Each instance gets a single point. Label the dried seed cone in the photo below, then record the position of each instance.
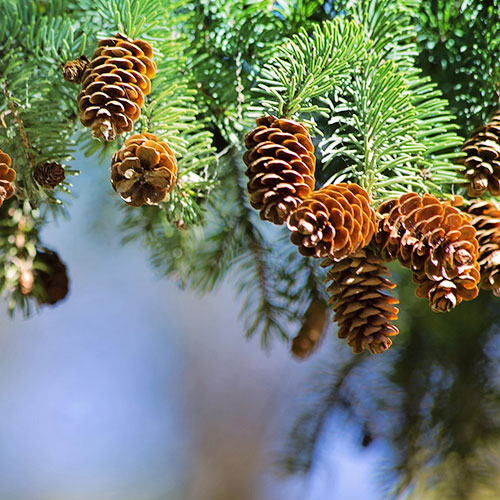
(363, 310)
(7, 178)
(482, 160)
(73, 70)
(334, 221)
(312, 330)
(437, 242)
(143, 171)
(54, 280)
(486, 220)
(49, 174)
(114, 85)
(280, 160)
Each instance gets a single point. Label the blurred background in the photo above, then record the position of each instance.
(134, 389)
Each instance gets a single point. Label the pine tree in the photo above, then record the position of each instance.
(359, 107)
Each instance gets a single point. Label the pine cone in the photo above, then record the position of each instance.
(49, 174)
(486, 220)
(114, 85)
(281, 163)
(54, 280)
(7, 177)
(311, 332)
(436, 241)
(143, 171)
(482, 160)
(73, 70)
(362, 310)
(334, 221)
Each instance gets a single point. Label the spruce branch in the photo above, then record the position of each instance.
(416, 140)
(308, 66)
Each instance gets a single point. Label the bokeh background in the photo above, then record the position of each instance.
(133, 389)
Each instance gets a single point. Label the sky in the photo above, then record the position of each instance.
(132, 389)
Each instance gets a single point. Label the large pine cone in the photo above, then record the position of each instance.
(362, 310)
(486, 220)
(437, 242)
(281, 163)
(312, 330)
(114, 85)
(143, 171)
(334, 221)
(54, 279)
(7, 177)
(482, 160)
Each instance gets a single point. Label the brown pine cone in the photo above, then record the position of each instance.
(334, 222)
(73, 70)
(54, 280)
(486, 220)
(7, 177)
(114, 85)
(362, 310)
(143, 171)
(437, 242)
(312, 330)
(482, 160)
(281, 162)
(49, 174)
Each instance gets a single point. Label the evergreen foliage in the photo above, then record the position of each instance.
(386, 86)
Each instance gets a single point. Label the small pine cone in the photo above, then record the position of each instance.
(334, 222)
(49, 174)
(486, 220)
(312, 330)
(73, 70)
(54, 280)
(114, 85)
(281, 162)
(437, 242)
(362, 310)
(143, 171)
(482, 160)
(7, 177)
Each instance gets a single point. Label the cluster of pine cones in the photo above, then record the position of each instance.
(114, 84)
(450, 252)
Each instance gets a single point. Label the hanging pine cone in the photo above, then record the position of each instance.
(486, 220)
(312, 330)
(114, 85)
(334, 221)
(49, 174)
(7, 177)
(281, 163)
(73, 70)
(362, 310)
(437, 242)
(54, 279)
(482, 160)
(143, 171)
